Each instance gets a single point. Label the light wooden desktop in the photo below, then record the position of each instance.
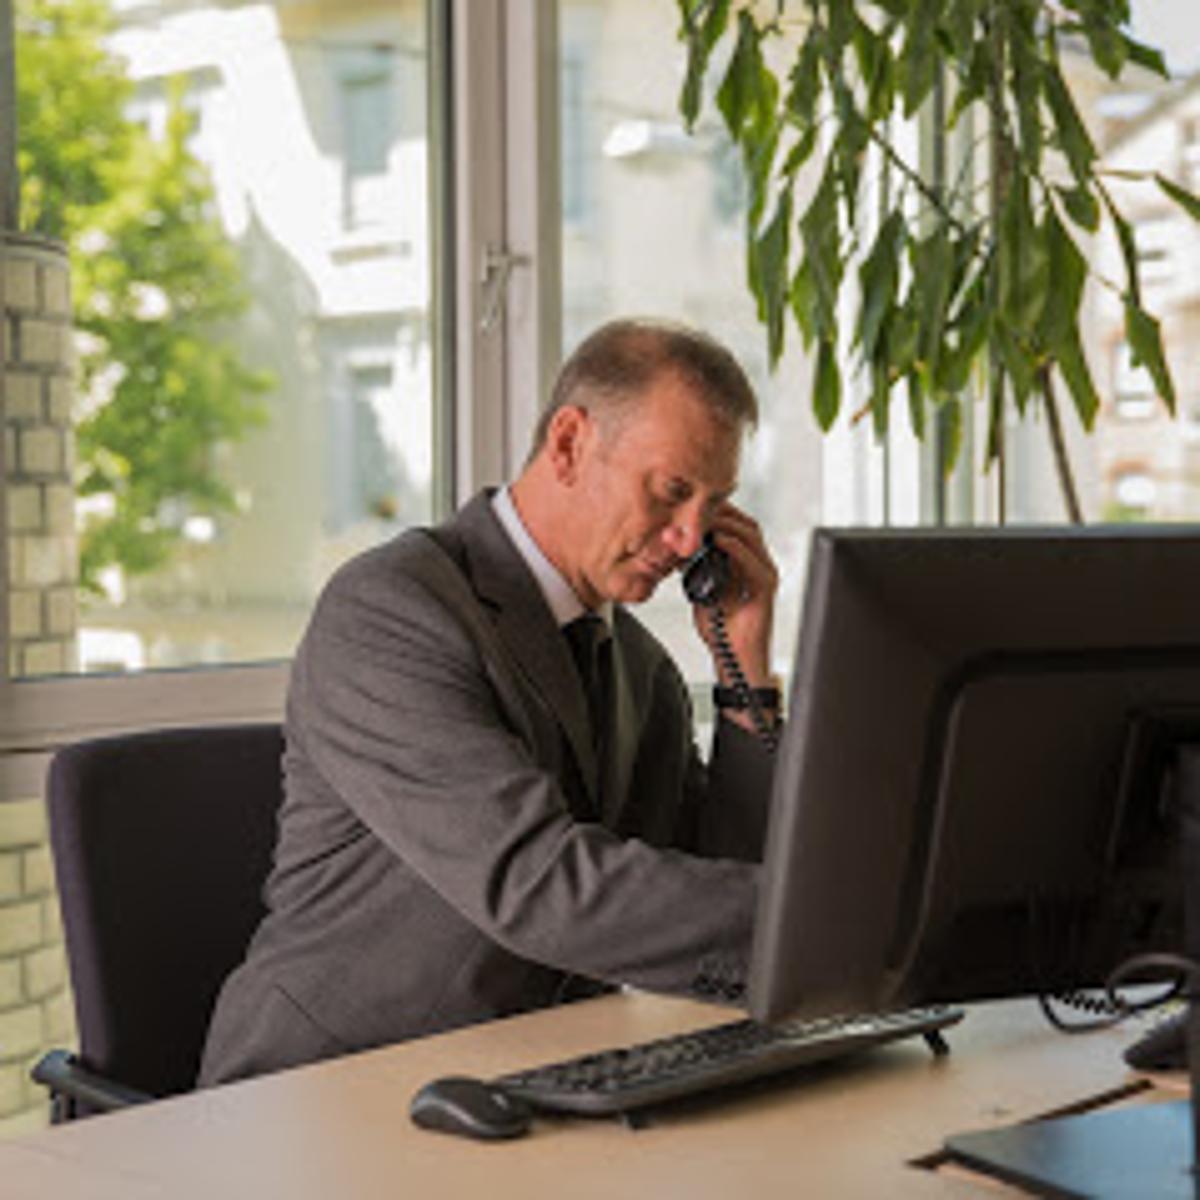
(341, 1129)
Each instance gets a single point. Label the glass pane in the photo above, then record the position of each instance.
(653, 225)
(1139, 463)
(225, 388)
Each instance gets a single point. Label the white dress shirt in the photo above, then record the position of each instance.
(558, 593)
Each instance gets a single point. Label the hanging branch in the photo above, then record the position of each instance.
(1058, 446)
(942, 301)
(999, 170)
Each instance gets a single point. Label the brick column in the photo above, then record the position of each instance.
(35, 1003)
(37, 385)
(39, 455)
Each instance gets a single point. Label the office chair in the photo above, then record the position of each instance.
(161, 842)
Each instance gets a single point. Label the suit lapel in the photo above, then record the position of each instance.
(527, 629)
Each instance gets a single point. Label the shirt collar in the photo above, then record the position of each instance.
(558, 593)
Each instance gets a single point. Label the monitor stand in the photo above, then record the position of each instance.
(1149, 1151)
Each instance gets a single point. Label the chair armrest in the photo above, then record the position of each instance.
(64, 1075)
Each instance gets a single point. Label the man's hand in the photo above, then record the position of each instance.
(749, 601)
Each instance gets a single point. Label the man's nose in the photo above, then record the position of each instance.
(685, 534)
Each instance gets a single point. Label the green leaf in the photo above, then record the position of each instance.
(875, 66)
(805, 79)
(918, 61)
(932, 264)
(1188, 201)
(880, 396)
(1110, 48)
(1073, 136)
(742, 89)
(758, 156)
(902, 341)
(949, 417)
(1075, 370)
(916, 405)
(840, 20)
(827, 387)
(1082, 207)
(848, 154)
(1128, 245)
(1022, 261)
(1026, 95)
(701, 36)
(803, 303)
(1146, 56)
(966, 249)
(1145, 341)
(969, 325)
(800, 153)
(960, 25)
(770, 255)
(1017, 363)
(1068, 271)
(997, 389)
(972, 85)
(878, 278)
(820, 233)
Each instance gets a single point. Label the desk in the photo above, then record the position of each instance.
(340, 1129)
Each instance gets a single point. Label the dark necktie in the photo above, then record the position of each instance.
(591, 647)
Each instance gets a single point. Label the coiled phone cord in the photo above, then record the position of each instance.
(768, 731)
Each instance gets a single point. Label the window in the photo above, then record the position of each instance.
(1142, 458)
(1155, 238)
(368, 114)
(663, 199)
(666, 204)
(1134, 493)
(227, 443)
(379, 457)
(573, 124)
(369, 468)
(1135, 398)
(729, 184)
(1190, 157)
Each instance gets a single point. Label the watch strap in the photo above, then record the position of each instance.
(735, 698)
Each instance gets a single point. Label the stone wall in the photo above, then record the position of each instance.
(35, 1003)
(37, 387)
(39, 456)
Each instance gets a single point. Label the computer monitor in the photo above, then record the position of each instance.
(972, 796)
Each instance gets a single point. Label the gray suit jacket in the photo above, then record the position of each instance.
(443, 857)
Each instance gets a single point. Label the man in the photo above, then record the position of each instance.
(460, 840)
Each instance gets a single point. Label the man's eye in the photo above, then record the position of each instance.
(678, 491)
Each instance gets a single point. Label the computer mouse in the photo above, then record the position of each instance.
(471, 1108)
(1163, 1048)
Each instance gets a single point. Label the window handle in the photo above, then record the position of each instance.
(494, 273)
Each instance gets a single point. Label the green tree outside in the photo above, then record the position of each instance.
(157, 287)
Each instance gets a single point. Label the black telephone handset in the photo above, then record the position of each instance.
(706, 573)
(706, 577)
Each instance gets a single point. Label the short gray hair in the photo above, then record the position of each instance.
(620, 360)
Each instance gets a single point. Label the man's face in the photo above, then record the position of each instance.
(648, 481)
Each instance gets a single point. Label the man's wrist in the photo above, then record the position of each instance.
(739, 699)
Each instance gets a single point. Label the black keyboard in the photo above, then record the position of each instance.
(629, 1077)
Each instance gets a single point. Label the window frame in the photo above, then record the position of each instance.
(493, 118)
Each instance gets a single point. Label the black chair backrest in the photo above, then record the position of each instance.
(162, 841)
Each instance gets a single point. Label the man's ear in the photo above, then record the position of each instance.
(567, 438)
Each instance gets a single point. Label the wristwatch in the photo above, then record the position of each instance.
(729, 697)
